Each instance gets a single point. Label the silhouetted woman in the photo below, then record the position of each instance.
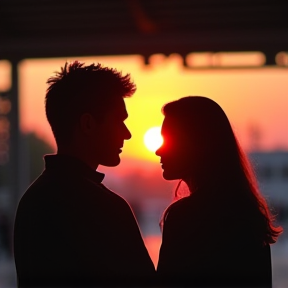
(219, 235)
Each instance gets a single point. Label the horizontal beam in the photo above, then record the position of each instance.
(146, 45)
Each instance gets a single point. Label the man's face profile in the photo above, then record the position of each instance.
(108, 134)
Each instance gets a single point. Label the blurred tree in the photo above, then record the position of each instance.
(34, 148)
(37, 148)
(3, 175)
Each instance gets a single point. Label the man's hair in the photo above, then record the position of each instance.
(78, 89)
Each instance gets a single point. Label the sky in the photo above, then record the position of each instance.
(253, 99)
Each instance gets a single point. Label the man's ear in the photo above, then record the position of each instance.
(87, 123)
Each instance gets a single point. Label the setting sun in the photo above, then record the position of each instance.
(153, 139)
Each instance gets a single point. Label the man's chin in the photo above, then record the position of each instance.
(111, 162)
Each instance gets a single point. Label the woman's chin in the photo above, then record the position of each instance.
(167, 175)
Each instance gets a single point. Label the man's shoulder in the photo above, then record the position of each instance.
(38, 184)
(56, 183)
(55, 189)
(116, 198)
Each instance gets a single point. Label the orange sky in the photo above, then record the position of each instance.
(254, 97)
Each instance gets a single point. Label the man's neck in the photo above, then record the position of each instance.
(79, 155)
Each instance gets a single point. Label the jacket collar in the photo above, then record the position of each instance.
(67, 164)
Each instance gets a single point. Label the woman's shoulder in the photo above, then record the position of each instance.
(180, 204)
(180, 209)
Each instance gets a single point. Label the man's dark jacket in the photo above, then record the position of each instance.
(70, 230)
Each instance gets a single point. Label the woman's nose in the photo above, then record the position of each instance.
(158, 151)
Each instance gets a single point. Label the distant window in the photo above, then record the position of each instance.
(280, 211)
(265, 172)
(284, 171)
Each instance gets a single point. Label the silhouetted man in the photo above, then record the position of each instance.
(70, 230)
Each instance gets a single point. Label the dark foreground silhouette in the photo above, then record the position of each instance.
(70, 230)
(220, 234)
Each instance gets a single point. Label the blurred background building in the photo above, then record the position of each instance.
(206, 35)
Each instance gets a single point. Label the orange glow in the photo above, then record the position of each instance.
(5, 75)
(153, 139)
(250, 97)
(153, 244)
(282, 59)
(227, 59)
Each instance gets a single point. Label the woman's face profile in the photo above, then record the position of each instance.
(174, 152)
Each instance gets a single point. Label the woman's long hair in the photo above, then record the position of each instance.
(219, 161)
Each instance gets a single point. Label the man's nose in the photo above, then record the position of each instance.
(127, 133)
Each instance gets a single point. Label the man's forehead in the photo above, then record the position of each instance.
(120, 109)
